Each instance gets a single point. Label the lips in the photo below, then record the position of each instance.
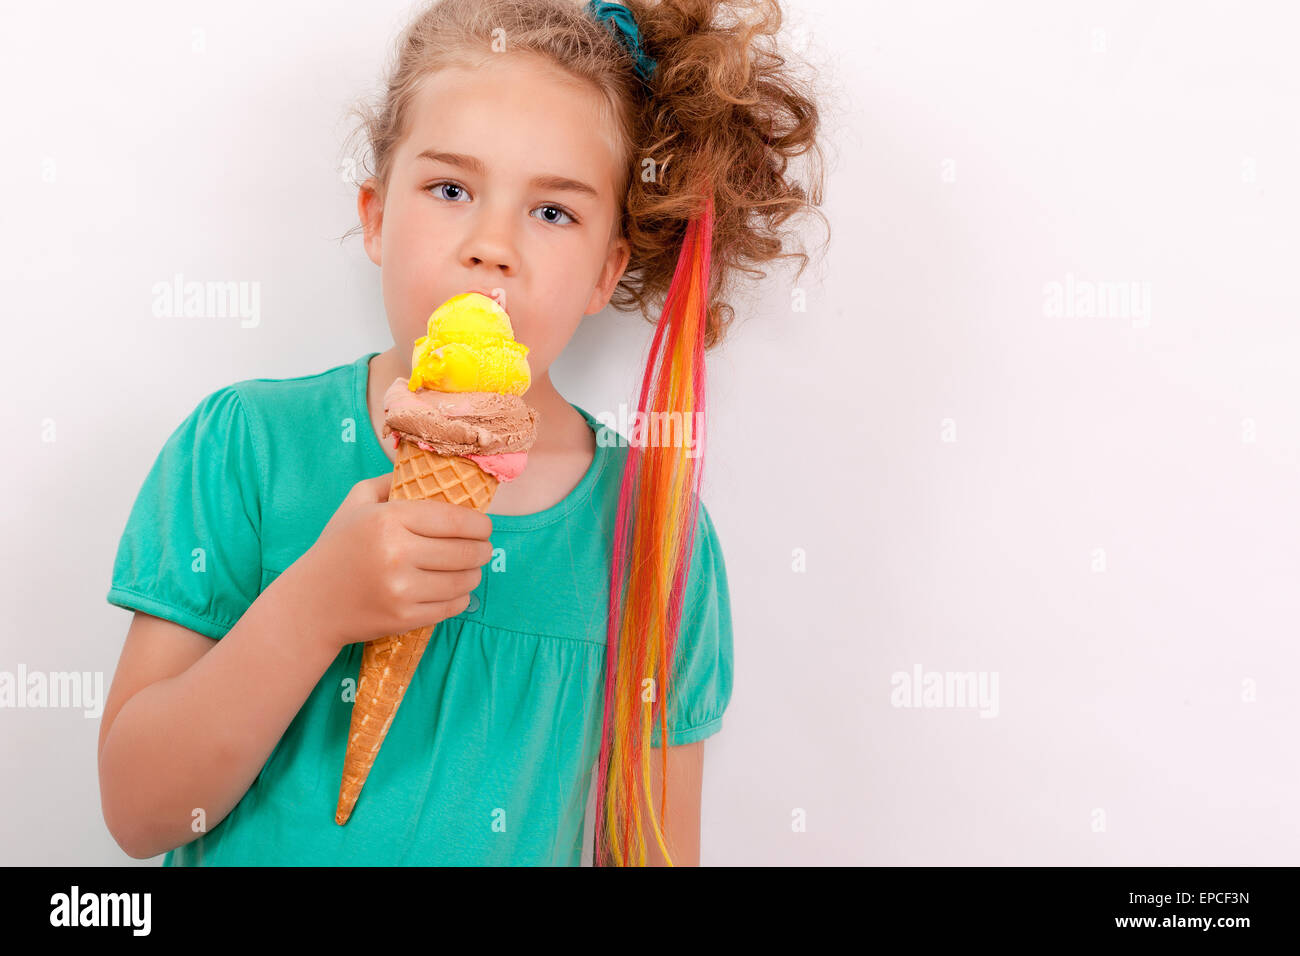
(489, 293)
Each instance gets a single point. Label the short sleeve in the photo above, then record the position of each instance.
(191, 550)
(704, 656)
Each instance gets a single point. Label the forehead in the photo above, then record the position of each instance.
(520, 115)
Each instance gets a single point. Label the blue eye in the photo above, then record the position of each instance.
(450, 184)
(562, 212)
(443, 185)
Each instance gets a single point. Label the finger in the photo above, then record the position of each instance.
(449, 607)
(450, 554)
(371, 489)
(442, 519)
(431, 587)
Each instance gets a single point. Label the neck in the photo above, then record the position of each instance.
(554, 413)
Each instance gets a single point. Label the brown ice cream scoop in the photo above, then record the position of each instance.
(460, 423)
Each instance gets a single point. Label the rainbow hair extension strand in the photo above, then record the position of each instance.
(654, 539)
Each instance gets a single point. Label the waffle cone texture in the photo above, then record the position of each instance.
(388, 664)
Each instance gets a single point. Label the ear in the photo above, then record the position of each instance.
(615, 265)
(370, 210)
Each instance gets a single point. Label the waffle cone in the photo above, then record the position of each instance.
(387, 664)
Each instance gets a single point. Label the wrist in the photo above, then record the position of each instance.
(302, 602)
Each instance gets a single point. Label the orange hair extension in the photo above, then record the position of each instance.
(654, 538)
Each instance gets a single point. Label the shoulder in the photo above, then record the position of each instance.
(267, 395)
(266, 407)
(233, 426)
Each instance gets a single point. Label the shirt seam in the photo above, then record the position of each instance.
(258, 463)
(360, 404)
(511, 630)
(298, 378)
(183, 612)
(708, 723)
(498, 627)
(577, 503)
(678, 731)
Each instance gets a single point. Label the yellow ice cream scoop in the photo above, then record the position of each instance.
(470, 347)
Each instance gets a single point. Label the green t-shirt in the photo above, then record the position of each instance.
(491, 755)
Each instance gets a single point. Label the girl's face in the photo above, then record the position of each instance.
(504, 181)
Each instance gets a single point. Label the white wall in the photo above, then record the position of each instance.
(1100, 509)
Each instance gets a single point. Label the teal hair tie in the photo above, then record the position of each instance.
(625, 31)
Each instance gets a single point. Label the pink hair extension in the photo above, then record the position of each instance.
(654, 538)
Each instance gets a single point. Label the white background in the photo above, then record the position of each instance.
(1102, 511)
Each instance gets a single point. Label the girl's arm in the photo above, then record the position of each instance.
(189, 722)
(682, 828)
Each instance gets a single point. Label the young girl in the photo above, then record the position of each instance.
(560, 156)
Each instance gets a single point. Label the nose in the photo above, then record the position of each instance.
(490, 242)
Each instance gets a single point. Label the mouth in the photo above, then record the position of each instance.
(495, 295)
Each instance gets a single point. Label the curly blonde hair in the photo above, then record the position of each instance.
(721, 105)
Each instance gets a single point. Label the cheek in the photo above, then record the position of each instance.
(413, 222)
(409, 235)
(546, 336)
(412, 246)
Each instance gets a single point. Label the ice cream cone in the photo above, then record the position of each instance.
(462, 429)
(388, 664)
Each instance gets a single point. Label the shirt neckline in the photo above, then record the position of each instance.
(528, 522)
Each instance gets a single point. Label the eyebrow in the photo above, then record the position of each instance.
(475, 165)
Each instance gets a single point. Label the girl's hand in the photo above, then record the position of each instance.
(385, 567)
